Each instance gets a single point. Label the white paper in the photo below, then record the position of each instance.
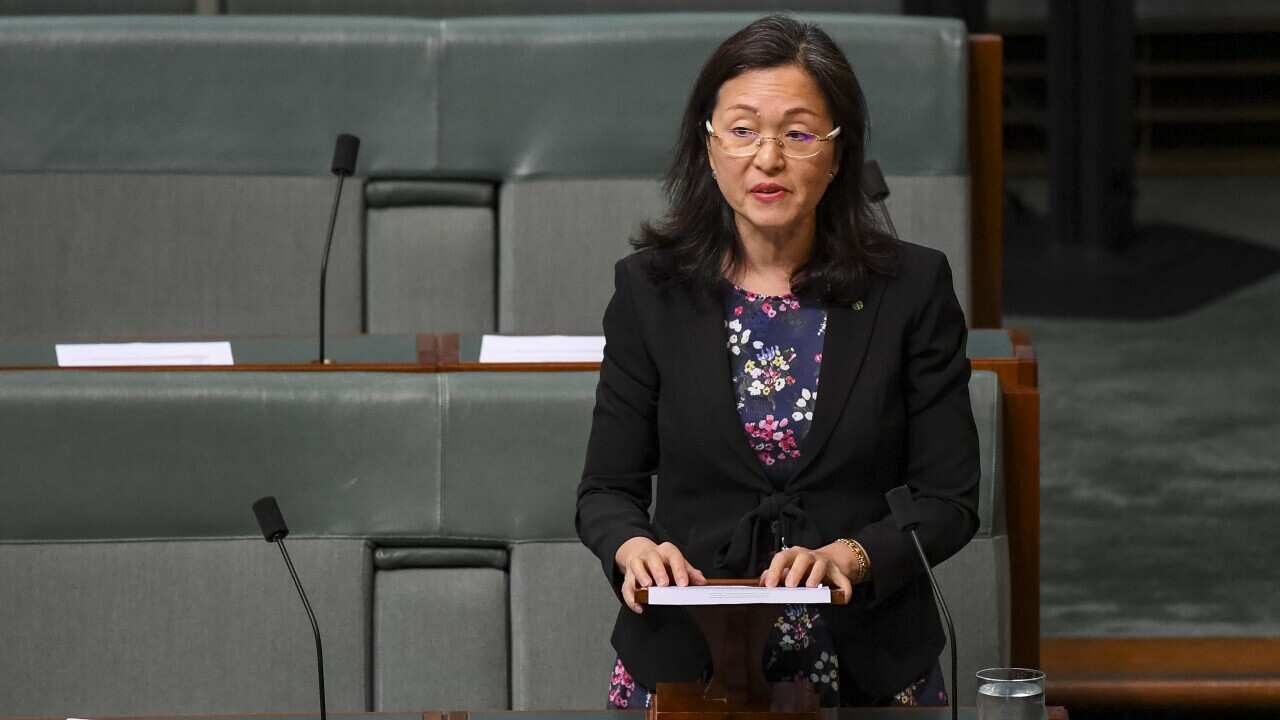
(737, 595)
(541, 348)
(137, 354)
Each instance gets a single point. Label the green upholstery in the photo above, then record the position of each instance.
(267, 95)
(441, 639)
(177, 626)
(430, 267)
(96, 7)
(242, 96)
(532, 295)
(518, 436)
(610, 77)
(453, 8)
(501, 153)
(428, 511)
(160, 455)
(122, 255)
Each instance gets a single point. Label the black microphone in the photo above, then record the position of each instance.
(345, 151)
(274, 529)
(877, 191)
(903, 508)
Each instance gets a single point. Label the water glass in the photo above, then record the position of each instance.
(1010, 694)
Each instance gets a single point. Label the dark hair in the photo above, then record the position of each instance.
(697, 239)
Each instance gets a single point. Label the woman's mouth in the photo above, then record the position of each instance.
(768, 192)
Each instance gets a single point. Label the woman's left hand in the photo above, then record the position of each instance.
(798, 566)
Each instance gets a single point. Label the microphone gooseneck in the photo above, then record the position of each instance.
(903, 508)
(345, 151)
(271, 522)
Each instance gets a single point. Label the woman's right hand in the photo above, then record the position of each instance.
(647, 563)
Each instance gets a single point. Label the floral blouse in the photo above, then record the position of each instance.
(775, 351)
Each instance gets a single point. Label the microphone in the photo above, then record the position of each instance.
(903, 508)
(345, 151)
(274, 529)
(877, 191)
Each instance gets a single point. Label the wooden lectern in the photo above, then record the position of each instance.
(737, 688)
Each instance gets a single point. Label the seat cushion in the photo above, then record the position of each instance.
(181, 627)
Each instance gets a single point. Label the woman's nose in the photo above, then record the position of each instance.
(769, 156)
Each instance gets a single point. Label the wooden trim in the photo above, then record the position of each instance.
(1179, 655)
(1185, 691)
(274, 367)
(986, 179)
(519, 367)
(1209, 672)
(1022, 516)
(1011, 371)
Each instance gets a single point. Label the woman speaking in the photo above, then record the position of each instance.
(779, 363)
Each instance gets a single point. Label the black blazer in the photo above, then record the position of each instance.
(893, 408)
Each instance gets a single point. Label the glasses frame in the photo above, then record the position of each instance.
(759, 143)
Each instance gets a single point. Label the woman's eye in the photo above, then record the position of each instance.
(742, 132)
(801, 137)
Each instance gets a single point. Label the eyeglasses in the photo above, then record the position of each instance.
(796, 144)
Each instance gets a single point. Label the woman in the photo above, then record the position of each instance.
(780, 363)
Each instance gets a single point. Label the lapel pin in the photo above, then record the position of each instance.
(857, 305)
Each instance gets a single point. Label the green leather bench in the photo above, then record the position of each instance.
(164, 176)
(432, 519)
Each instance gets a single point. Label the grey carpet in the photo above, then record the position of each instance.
(1160, 471)
(1160, 443)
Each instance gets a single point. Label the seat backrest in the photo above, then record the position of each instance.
(471, 8)
(166, 175)
(427, 511)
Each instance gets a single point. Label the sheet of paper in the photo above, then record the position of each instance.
(737, 595)
(541, 348)
(133, 354)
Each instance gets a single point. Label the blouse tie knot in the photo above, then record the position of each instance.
(778, 521)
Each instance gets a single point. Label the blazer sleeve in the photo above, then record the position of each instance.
(622, 452)
(941, 465)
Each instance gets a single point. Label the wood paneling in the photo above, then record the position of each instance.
(986, 178)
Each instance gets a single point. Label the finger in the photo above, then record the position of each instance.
(777, 566)
(799, 566)
(679, 566)
(629, 593)
(818, 572)
(696, 576)
(642, 578)
(839, 580)
(657, 568)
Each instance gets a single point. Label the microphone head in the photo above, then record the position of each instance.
(903, 508)
(270, 519)
(873, 184)
(345, 151)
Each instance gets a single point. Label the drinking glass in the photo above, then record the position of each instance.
(1010, 694)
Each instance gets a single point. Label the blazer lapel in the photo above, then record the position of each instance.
(848, 333)
(709, 373)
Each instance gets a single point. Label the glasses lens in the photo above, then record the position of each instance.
(738, 141)
(797, 144)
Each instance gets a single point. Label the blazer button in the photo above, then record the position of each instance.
(857, 305)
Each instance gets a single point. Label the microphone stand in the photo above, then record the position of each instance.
(902, 506)
(946, 618)
(324, 264)
(345, 151)
(315, 628)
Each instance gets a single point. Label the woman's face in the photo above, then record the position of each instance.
(770, 192)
